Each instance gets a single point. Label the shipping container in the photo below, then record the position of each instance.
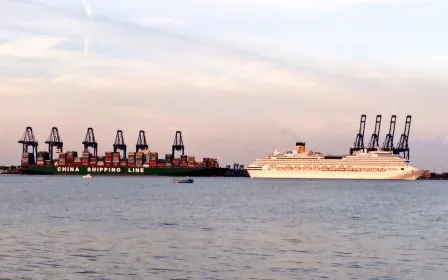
(43, 154)
(72, 153)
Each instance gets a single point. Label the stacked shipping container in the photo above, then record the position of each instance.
(70, 158)
(42, 157)
(85, 160)
(183, 161)
(168, 160)
(112, 159)
(153, 157)
(191, 161)
(139, 159)
(108, 159)
(61, 159)
(131, 159)
(27, 159)
(115, 159)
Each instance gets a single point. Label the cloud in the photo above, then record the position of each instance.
(218, 92)
(160, 22)
(31, 47)
(16, 87)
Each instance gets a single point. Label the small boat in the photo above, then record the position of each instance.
(183, 181)
(87, 176)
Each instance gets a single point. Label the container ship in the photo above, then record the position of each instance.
(117, 162)
(370, 162)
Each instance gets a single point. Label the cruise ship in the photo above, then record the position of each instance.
(310, 165)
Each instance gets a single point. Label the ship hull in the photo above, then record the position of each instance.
(132, 171)
(409, 173)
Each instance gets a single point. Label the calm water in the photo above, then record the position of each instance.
(234, 228)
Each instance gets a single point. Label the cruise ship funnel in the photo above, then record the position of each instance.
(300, 147)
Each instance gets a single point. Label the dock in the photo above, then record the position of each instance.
(238, 170)
(10, 170)
(434, 176)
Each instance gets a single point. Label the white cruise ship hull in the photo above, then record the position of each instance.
(409, 173)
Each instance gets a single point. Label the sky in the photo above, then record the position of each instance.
(238, 78)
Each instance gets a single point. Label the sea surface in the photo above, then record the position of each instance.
(65, 227)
